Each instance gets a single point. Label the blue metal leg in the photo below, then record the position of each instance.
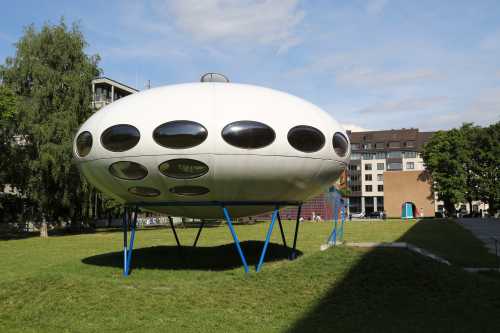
(235, 238)
(268, 238)
(132, 238)
(342, 224)
(125, 227)
(333, 235)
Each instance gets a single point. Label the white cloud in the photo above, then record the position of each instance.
(373, 78)
(375, 7)
(265, 22)
(405, 105)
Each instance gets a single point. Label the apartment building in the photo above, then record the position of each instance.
(377, 155)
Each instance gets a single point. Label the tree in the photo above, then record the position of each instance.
(445, 157)
(51, 75)
(8, 110)
(487, 166)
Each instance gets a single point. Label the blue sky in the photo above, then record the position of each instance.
(372, 64)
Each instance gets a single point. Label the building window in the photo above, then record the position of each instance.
(410, 165)
(380, 177)
(368, 177)
(189, 190)
(356, 188)
(380, 203)
(380, 166)
(367, 145)
(368, 166)
(248, 134)
(380, 188)
(368, 188)
(120, 138)
(143, 191)
(368, 156)
(394, 166)
(410, 154)
(380, 155)
(183, 168)
(355, 156)
(128, 170)
(84, 144)
(306, 138)
(379, 145)
(410, 144)
(180, 134)
(394, 154)
(354, 177)
(354, 167)
(394, 144)
(355, 146)
(340, 144)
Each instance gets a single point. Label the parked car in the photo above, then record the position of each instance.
(375, 215)
(358, 215)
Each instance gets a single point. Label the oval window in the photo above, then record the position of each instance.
(143, 191)
(189, 190)
(248, 134)
(340, 144)
(128, 170)
(306, 138)
(84, 143)
(120, 137)
(180, 134)
(183, 168)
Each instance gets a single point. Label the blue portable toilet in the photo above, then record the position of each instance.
(407, 210)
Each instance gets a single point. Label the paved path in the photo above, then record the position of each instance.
(485, 230)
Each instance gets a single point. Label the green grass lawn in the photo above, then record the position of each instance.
(75, 283)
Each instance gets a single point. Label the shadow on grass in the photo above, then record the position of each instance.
(215, 258)
(394, 290)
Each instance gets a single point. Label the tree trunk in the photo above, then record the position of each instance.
(44, 229)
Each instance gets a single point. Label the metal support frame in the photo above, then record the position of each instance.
(175, 232)
(199, 232)
(128, 248)
(281, 229)
(127, 218)
(293, 255)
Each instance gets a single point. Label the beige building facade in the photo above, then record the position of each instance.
(408, 186)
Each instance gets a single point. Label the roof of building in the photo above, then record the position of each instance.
(115, 83)
(402, 135)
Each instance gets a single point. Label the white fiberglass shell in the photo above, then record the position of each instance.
(276, 172)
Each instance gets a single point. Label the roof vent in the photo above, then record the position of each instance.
(214, 77)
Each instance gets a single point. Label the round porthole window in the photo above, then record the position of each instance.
(183, 168)
(128, 170)
(189, 190)
(143, 191)
(340, 144)
(179, 134)
(84, 143)
(306, 138)
(248, 134)
(120, 138)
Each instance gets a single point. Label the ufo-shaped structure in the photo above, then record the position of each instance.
(211, 142)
